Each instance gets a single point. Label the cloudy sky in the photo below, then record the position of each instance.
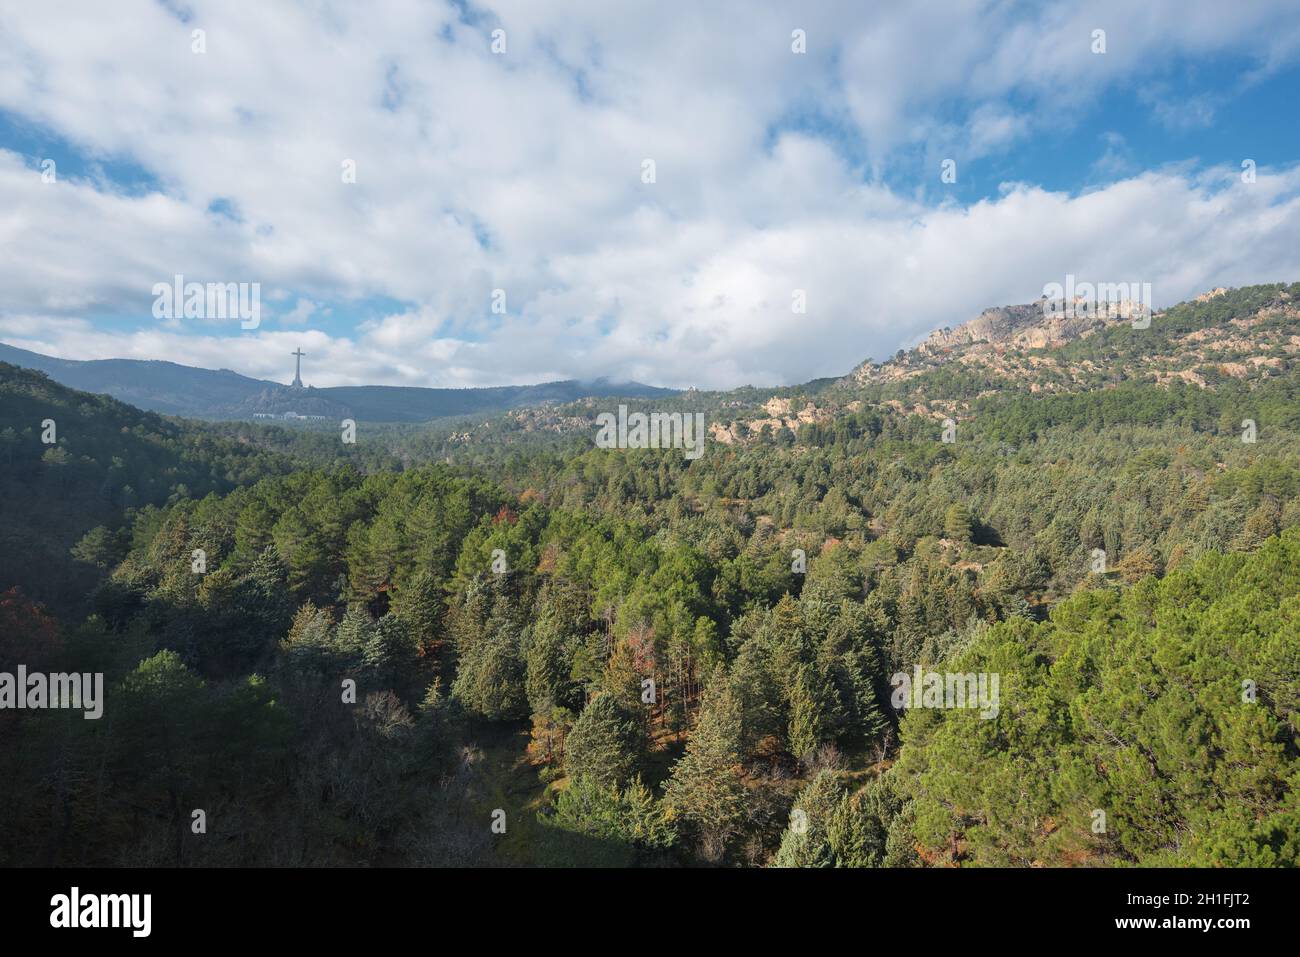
(523, 170)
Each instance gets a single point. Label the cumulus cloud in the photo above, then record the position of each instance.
(522, 172)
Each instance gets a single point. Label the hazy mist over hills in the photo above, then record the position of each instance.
(175, 389)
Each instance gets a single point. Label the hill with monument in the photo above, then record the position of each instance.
(174, 389)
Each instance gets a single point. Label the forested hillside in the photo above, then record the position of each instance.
(71, 461)
(564, 654)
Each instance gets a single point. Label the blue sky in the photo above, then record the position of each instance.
(510, 170)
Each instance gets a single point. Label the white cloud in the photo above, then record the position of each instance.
(522, 172)
(301, 312)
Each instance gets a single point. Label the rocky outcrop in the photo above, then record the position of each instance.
(997, 330)
(999, 324)
(1029, 326)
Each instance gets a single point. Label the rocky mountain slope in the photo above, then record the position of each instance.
(1242, 336)
(1224, 333)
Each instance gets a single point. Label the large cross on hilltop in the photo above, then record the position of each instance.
(297, 368)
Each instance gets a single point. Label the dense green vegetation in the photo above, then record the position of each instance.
(102, 461)
(642, 659)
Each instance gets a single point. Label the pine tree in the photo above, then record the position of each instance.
(310, 644)
(1260, 525)
(631, 815)
(809, 718)
(806, 842)
(390, 654)
(957, 522)
(605, 744)
(490, 674)
(550, 645)
(705, 789)
(419, 606)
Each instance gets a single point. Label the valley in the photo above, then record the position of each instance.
(1095, 569)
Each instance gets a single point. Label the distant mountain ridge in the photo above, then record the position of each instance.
(174, 389)
(1245, 334)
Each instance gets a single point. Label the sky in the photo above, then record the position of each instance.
(502, 225)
